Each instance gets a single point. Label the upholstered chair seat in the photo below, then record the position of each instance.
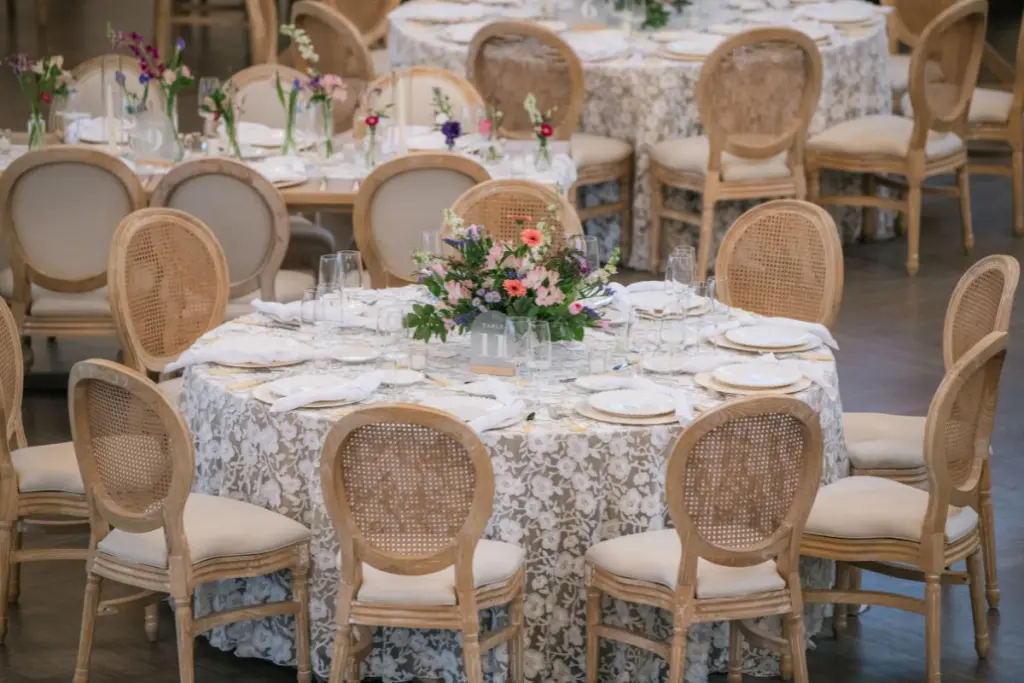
(690, 155)
(882, 134)
(52, 467)
(878, 441)
(592, 150)
(987, 106)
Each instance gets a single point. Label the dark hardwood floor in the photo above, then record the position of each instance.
(890, 333)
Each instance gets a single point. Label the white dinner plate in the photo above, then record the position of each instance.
(633, 403)
(728, 28)
(554, 26)
(812, 30)
(851, 12)
(664, 365)
(757, 375)
(357, 353)
(697, 44)
(297, 384)
(467, 408)
(768, 336)
(475, 389)
(598, 382)
(400, 378)
(661, 301)
(671, 36)
(265, 395)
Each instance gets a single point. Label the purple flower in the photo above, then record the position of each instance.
(180, 44)
(481, 291)
(590, 312)
(475, 301)
(119, 77)
(134, 36)
(492, 297)
(451, 130)
(297, 84)
(144, 79)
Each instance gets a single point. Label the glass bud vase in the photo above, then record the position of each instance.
(36, 131)
(543, 159)
(371, 148)
(325, 126)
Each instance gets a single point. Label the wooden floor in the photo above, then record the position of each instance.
(890, 333)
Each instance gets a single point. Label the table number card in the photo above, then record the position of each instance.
(488, 351)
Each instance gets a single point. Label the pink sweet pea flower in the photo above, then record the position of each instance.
(575, 308)
(449, 323)
(535, 278)
(484, 127)
(456, 292)
(494, 256)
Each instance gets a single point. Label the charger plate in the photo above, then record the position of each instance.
(584, 409)
(705, 380)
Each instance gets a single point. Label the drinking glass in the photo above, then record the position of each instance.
(5, 140)
(599, 361)
(417, 354)
(590, 247)
(624, 332)
(718, 285)
(330, 271)
(391, 329)
(307, 311)
(327, 309)
(350, 270)
(672, 334)
(678, 273)
(431, 243)
(540, 341)
(518, 345)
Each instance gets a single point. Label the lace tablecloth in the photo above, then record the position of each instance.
(561, 485)
(645, 99)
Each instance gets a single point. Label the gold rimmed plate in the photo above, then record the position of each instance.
(705, 380)
(586, 410)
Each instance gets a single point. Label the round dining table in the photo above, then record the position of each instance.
(563, 482)
(644, 98)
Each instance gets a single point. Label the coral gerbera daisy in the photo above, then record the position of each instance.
(531, 237)
(514, 287)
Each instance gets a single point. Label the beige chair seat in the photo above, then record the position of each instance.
(46, 303)
(899, 71)
(987, 106)
(494, 562)
(690, 155)
(288, 286)
(881, 134)
(171, 388)
(654, 556)
(873, 507)
(593, 150)
(876, 441)
(214, 527)
(53, 467)
(381, 61)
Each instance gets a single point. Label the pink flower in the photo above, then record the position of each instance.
(514, 288)
(494, 256)
(603, 324)
(335, 86)
(531, 237)
(575, 308)
(549, 296)
(535, 278)
(485, 127)
(438, 269)
(456, 292)
(185, 72)
(169, 77)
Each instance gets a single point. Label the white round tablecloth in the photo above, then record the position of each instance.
(561, 485)
(645, 99)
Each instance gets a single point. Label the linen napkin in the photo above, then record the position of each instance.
(817, 329)
(247, 348)
(281, 169)
(812, 371)
(291, 313)
(358, 389)
(693, 365)
(684, 410)
(510, 406)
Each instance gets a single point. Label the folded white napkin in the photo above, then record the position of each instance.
(247, 348)
(280, 169)
(358, 389)
(291, 313)
(817, 329)
(684, 410)
(510, 405)
(812, 371)
(645, 286)
(693, 365)
(95, 129)
(714, 329)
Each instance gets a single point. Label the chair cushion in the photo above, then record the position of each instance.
(288, 286)
(171, 388)
(591, 150)
(881, 134)
(47, 303)
(987, 106)
(877, 441)
(899, 71)
(48, 468)
(214, 527)
(654, 556)
(381, 61)
(690, 155)
(493, 562)
(873, 507)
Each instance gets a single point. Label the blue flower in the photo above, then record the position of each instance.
(608, 291)
(144, 79)
(180, 44)
(492, 297)
(452, 242)
(451, 130)
(297, 84)
(591, 312)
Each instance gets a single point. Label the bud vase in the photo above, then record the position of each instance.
(543, 160)
(370, 148)
(325, 125)
(36, 131)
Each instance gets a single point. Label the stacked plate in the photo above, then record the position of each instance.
(662, 304)
(765, 338)
(754, 378)
(468, 408)
(847, 15)
(695, 47)
(299, 384)
(629, 407)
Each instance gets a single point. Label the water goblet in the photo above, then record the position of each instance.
(518, 344)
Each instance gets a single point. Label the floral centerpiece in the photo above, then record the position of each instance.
(444, 119)
(40, 81)
(324, 90)
(542, 130)
(171, 76)
(489, 128)
(220, 103)
(530, 279)
(656, 12)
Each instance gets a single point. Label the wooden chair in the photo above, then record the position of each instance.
(58, 249)
(783, 258)
(369, 16)
(342, 52)
(932, 143)
(168, 281)
(136, 458)
(898, 530)
(494, 203)
(904, 26)
(419, 83)
(893, 446)
(739, 483)
(259, 16)
(36, 483)
(426, 477)
(401, 199)
(250, 221)
(256, 96)
(509, 59)
(756, 95)
(92, 75)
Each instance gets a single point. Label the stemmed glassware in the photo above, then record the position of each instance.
(679, 272)
(350, 270)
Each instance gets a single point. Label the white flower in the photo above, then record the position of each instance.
(441, 119)
(57, 61)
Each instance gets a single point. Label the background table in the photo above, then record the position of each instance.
(560, 487)
(646, 99)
